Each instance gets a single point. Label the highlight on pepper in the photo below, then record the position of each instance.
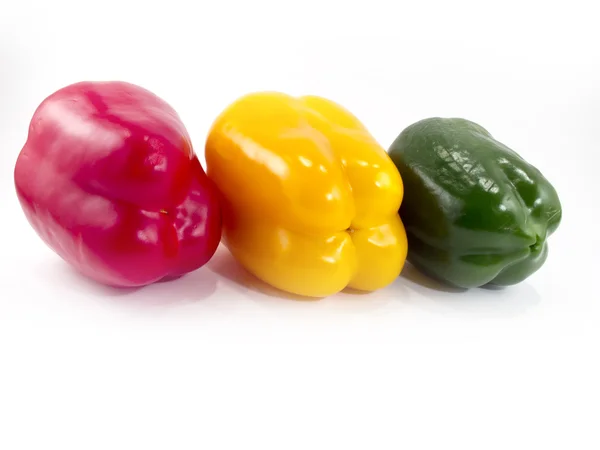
(309, 198)
(109, 180)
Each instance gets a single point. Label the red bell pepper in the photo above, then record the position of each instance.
(109, 180)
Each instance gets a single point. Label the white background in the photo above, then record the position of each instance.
(209, 362)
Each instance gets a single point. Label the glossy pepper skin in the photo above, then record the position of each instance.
(309, 198)
(109, 180)
(476, 213)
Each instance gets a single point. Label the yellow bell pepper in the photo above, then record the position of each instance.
(310, 198)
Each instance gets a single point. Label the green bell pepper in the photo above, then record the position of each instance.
(476, 213)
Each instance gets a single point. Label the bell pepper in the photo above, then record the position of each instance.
(476, 212)
(109, 180)
(309, 198)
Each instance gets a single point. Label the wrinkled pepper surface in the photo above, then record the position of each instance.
(310, 199)
(109, 180)
(476, 213)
